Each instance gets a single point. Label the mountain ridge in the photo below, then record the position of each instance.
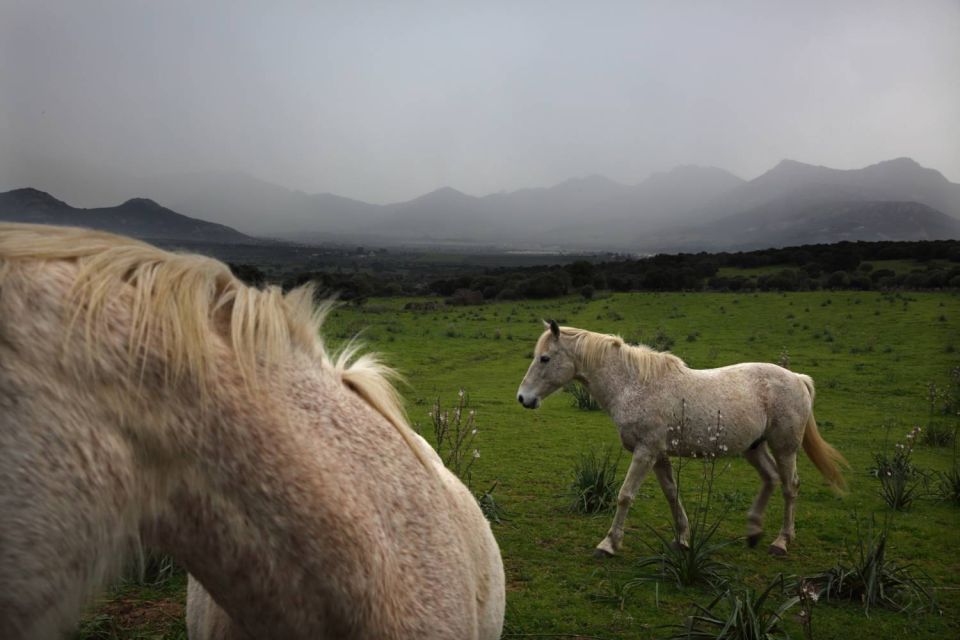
(668, 209)
(138, 217)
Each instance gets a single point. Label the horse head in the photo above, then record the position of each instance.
(553, 367)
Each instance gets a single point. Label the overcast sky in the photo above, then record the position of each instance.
(386, 101)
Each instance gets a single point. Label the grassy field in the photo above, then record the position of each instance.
(873, 357)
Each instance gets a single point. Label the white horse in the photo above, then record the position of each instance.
(663, 408)
(152, 398)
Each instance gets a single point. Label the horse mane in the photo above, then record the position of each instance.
(592, 348)
(179, 300)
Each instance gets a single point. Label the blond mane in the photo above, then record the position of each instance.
(592, 348)
(181, 303)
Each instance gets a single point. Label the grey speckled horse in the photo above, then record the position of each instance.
(759, 410)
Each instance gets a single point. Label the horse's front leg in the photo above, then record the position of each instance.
(640, 464)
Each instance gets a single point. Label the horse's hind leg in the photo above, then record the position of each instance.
(664, 471)
(639, 465)
(787, 468)
(763, 462)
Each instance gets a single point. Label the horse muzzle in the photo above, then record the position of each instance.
(528, 401)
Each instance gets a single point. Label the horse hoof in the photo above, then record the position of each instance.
(679, 546)
(753, 539)
(601, 553)
(776, 551)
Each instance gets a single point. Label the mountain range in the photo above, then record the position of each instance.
(688, 208)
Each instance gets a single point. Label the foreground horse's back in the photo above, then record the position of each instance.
(148, 398)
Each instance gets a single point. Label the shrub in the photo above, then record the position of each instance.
(465, 297)
(594, 485)
(662, 341)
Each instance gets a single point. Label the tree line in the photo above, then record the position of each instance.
(843, 265)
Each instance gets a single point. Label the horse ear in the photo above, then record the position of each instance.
(554, 328)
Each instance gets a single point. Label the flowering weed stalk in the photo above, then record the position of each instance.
(454, 434)
(900, 481)
(454, 431)
(695, 561)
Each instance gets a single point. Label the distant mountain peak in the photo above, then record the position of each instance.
(142, 203)
(788, 164)
(443, 194)
(28, 196)
(447, 191)
(902, 161)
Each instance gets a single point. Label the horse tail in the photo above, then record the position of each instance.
(823, 456)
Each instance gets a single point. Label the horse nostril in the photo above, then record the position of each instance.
(520, 398)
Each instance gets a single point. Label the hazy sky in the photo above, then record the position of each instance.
(386, 101)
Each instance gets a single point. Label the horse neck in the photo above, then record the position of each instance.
(249, 492)
(605, 379)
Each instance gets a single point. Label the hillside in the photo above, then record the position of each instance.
(137, 217)
(796, 220)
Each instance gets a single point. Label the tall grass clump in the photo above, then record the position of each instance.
(948, 485)
(153, 568)
(871, 578)
(581, 398)
(901, 482)
(594, 485)
(739, 614)
(948, 482)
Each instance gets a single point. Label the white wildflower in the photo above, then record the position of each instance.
(476, 453)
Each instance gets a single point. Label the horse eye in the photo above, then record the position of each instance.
(544, 359)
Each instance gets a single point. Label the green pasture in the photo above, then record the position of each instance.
(872, 355)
